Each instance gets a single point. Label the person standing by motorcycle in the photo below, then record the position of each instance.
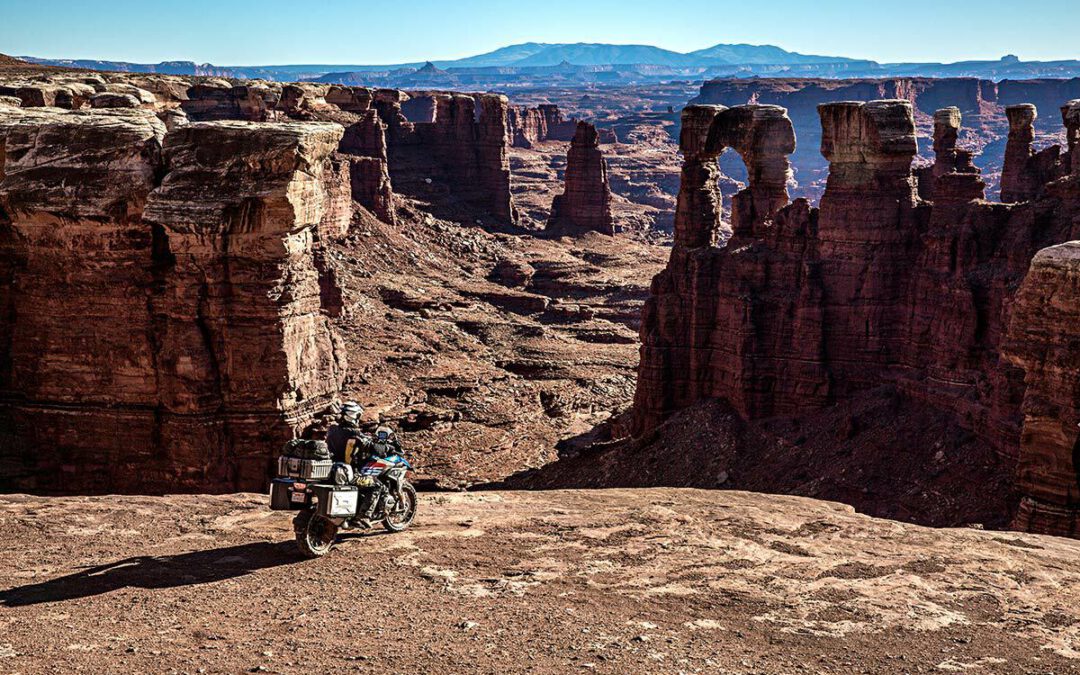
(386, 442)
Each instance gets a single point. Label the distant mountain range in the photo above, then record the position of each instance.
(531, 62)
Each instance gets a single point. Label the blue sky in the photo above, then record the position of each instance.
(248, 32)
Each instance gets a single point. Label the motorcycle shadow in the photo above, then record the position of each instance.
(156, 572)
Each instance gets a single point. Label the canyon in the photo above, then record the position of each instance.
(195, 269)
(793, 311)
(244, 311)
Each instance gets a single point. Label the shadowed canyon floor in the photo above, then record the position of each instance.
(657, 580)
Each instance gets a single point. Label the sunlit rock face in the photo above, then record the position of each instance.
(164, 323)
(792, 310)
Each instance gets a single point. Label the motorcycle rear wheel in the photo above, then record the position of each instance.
(404, 513)
(314, 534)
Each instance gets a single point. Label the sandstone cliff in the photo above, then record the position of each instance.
(164, 294)
(452, 145)
(545, 122)
(804, 310)
(1043, 341)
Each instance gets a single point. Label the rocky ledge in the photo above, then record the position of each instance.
(609, 581)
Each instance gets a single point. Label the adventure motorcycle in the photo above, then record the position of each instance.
(328, 498)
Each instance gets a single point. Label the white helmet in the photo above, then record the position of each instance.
(351, 412)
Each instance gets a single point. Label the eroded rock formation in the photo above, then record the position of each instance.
(1043, 339)
(448, 144)
(586, 201)
(981, 102)
(804, 309)
(462, 147)
(161, 333)
(1070, 114)
(949, 160)
(1026, 171)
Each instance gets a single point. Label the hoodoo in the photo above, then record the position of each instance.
(982, 102)
(805, 309)
(586, 201)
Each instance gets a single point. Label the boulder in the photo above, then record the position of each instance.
(113, 100)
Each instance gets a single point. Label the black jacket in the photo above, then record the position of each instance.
(338, 437)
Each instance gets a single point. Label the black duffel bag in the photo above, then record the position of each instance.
(305, 449)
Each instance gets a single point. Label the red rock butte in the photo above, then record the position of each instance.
(168, 299)
(793, 309)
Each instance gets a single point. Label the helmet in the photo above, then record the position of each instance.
(351, 412)
(384, 433)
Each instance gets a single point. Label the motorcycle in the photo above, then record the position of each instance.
(328, 498)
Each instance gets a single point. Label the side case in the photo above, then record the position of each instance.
(279, 496)
(340, 501)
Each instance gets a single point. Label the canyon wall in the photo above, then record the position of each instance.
(802, 309)
(455, 147)
(171, 262)
(1043, 341)
(545, 122)
(463, 147)
(163, 327)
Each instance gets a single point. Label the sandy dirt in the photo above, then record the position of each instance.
(615, 581)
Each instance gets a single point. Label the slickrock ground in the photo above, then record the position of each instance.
(657, 581)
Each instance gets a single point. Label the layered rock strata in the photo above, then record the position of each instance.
(1070, 115)
(1043, 339)
(545, 122)
(1026, 171)
(190, 342)
(982, 102)
(461, 149)
(449, 144)
(586, 200)
(948, 158)
(803, 309)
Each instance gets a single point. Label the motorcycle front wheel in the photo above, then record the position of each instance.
(314, 534)
(404, 511)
